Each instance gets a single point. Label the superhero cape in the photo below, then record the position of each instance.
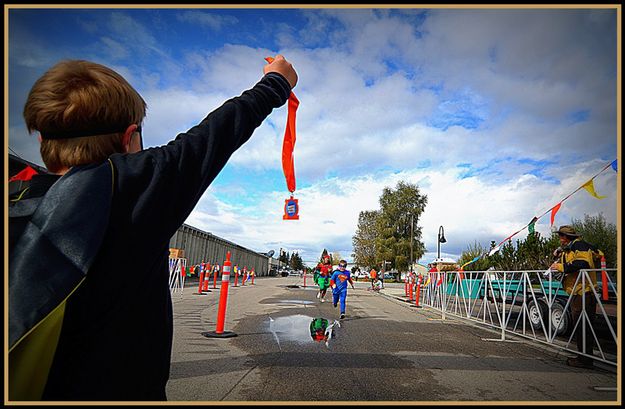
(47, 264)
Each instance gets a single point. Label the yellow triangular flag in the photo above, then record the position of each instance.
(589, 186)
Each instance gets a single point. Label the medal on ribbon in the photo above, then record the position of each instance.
(291, 206)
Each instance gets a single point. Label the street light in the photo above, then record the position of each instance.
(441, 239)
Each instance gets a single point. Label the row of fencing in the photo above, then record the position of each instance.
(529, 304)
(179, 271)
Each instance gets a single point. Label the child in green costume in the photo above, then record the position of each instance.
(322, 277)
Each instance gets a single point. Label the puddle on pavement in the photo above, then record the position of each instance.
(304, 302)
(303, 329)
(301, 287)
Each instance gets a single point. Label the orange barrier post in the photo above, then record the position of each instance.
(199, 288)
(236, 276)
(253, 274)
(418, 292)
(406, 286)
(304, 278)
(215, 277)
(604, 280)
(206, 278)
(223, 299)
(410, 289)
(244, 275)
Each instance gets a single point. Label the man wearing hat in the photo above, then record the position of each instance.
(575, 255)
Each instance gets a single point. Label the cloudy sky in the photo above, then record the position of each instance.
(496, 114)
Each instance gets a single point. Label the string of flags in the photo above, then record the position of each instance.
(531, 226)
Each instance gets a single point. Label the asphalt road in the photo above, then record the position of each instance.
(383, 351)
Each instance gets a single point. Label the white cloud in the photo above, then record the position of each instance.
(469, 209)
(173, 111)
(206, 19)
(372, 87)
(115, 50)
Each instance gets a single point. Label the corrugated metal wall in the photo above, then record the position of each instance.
(201, 246)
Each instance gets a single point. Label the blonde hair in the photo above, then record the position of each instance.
(77, 97)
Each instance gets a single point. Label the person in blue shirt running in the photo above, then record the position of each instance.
(338, 282)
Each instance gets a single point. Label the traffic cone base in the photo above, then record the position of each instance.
(214, 334)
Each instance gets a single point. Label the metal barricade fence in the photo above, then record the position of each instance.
(177, 270)
(530, 304)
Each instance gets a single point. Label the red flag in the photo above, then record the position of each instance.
(25, 174)
(554, 210)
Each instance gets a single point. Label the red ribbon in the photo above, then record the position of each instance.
(289, 140)
(289, 144)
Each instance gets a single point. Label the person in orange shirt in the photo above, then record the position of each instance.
(373, 275)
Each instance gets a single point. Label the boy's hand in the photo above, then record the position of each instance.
(283, 67)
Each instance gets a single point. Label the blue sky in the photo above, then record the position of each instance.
(497, 114)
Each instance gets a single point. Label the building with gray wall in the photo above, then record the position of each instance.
(200, 246)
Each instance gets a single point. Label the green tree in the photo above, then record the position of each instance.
(603, 235)
(531, 253)
(536, 252)
(505, 259)
(284, 257)
(364, 241)
(472, 251)
(287, 258)
(398, 225)
(336, 257)
(296, 261)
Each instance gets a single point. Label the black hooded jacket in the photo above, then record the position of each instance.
(116, 336)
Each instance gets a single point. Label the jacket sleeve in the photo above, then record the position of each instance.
(156, 189)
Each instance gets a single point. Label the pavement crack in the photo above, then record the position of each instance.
(238, 382)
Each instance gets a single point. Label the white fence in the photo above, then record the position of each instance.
(530, 304)
(177, 269)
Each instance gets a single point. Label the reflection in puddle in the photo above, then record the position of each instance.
(321, 330)
(303, 329)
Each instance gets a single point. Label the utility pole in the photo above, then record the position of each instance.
(411, 235)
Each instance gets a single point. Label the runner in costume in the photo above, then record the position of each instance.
(338, 282)
(322, 277)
